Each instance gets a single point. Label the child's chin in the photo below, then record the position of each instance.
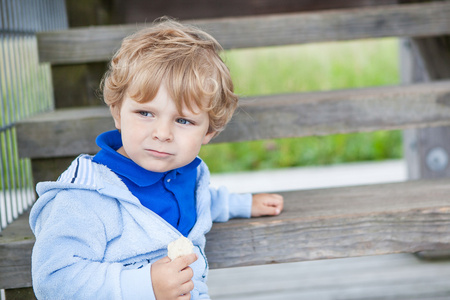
(156, 168)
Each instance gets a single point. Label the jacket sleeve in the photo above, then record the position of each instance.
(68, 256)
(226, 205)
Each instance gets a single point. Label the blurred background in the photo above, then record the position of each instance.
(259, 71)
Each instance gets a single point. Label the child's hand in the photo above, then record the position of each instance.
(267, 205)
(173, 279)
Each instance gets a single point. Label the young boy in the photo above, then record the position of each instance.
(103, 227)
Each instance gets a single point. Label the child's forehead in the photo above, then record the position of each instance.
(186, 87)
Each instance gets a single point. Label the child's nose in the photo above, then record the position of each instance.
(163, 133)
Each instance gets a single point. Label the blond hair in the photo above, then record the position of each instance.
(183, 58)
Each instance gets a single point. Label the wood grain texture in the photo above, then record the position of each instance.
(16, 243)
(69, 132)
(382, 277)
(339, 222)
(99, 43)
(316, 224)
(135, 11)
(64, 132)
(340, 111)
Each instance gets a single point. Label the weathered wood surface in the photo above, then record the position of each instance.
(16, 243)
(427, 150)
(316, 224)
(396, 276)
(64, 132)
(339, 222)
(340, 111)
(99, 43)
(136, 11)
(69, 132)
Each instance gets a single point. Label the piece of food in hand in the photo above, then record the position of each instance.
(180, 247)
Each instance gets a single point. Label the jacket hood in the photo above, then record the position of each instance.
(85, 174)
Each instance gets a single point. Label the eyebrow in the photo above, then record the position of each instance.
(185, 112)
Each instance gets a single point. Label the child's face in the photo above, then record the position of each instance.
(156, 136)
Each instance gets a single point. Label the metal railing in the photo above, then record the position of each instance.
(26, 89)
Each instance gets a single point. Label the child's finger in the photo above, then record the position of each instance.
(275, 199)
(187, 287)
(279, 202)
(184, 261)
(186, 274)
(267, 205)
(272, 210)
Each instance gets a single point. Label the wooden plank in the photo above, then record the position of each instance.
(342, 111)
(339, 222)
(135, 11)
(16, 243)
(73, 131)
(98, 43)
(316, 224)
(63, 132)
(427, 150)
(396, 276)
(20, 294)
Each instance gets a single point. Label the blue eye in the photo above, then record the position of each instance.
(145, 113)
(183, 121)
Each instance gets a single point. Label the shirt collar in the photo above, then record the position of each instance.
(111, 141)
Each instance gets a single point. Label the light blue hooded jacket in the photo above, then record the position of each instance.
(94, 239)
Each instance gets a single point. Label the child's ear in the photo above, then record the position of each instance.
(208, 137)
(115, 112)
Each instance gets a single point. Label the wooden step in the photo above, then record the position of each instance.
(339, 222)
(16, 243)
(69, 132)
(92, 44)
(316, 224)
(382, 277)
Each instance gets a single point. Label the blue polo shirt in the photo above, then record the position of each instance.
(171, 194)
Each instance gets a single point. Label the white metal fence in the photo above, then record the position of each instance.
(26, 89)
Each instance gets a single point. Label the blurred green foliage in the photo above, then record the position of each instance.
(301, 68)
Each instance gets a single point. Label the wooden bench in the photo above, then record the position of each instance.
(316, 224)
(412, 20)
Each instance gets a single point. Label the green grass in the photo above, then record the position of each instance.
(309, 68)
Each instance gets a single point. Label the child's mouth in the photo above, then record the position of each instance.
(158, 154)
